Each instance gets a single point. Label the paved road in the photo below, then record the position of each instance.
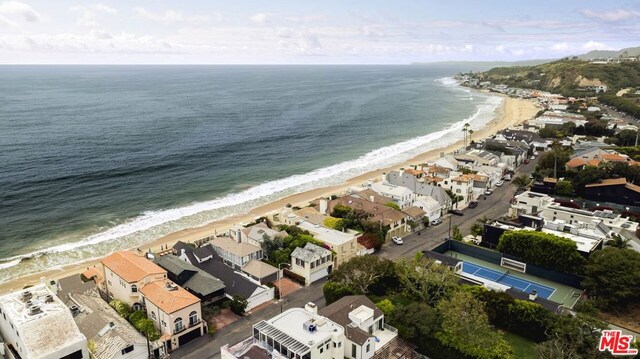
(494, 206)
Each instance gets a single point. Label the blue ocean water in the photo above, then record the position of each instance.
(96, 158)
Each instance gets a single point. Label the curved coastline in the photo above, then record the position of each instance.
(306, 187)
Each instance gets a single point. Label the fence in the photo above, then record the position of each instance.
(571, 280)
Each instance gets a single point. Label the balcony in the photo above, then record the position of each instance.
(193, 324)
(384, 336)
(179, 329)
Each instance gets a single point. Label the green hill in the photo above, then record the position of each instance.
(567, 76)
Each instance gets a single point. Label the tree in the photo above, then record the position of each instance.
(425, 280)
(465, 130)
(543, 249)
(618, 241)
(340, 211)
(137, 316)
(338, 224)
(521, 181)
(586, 176)
(392, 205)
(335, 290)
(575, 334)
(554, 160)
(612, 277)
(554, 349)
(123, 309)
(417, 323)
(386, 306)
(564, 188)
(465, 326)
(238, 305)
(360, 274)
(148, 328)
(476, 229)
(455, 233)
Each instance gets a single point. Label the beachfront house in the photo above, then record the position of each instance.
(234, 253)
(111, 335)
(423, 189)
(311, 262)
(399, 195)
(236, 282)
(35, 323)
(255, 234)
(462, 186)
(125, 273)
(203, 285)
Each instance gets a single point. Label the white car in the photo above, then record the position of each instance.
(397, 240)
(499, 183)
(436, 222)
(488, 192)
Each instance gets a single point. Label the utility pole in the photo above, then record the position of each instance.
(449, 236)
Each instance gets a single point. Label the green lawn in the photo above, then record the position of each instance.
(522, 347)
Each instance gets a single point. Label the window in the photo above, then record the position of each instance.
(321, 350)
(74, 355)
(193, 318)
(353, 350)
(134, 288)
(177, 324)
(368, 347)
(128, 349)
(153, 316)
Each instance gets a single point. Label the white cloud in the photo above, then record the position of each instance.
(173, 16)
(88, 14)
(593, 45)
(559, 47)
(611, 15)
(500, 48)
(15, 9)
(260, 18)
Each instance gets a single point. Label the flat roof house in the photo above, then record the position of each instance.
(344, 244)
(234, 253)
(112, 336)
(255, 234)
(36, 324)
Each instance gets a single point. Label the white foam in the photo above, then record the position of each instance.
(154, 224)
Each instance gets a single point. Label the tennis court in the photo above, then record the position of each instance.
(507, 279)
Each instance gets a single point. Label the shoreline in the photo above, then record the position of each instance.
(511, 112)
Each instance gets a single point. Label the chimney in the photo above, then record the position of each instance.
(238, 235)
(372, 198)
(311, 308)
(533, 295)
(383, 177)
(323, 206)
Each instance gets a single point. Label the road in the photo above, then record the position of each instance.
(494, 206)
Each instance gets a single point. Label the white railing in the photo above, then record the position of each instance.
(390, 328)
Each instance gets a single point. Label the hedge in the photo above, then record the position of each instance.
(543, 249)
(294, 276)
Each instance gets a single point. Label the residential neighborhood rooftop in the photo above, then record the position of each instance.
(130, 266)
(168, 296)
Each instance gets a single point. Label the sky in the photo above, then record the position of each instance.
(309, 32)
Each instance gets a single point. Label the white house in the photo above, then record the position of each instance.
(432, 208)
(400, 195)
(34, 323)
(311, 262)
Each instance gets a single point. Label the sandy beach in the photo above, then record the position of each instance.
(512, 112)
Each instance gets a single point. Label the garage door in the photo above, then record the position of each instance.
(187, 337)
(319, 274)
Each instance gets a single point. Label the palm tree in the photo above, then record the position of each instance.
(470, 133)
(465, 129)
(617, 241)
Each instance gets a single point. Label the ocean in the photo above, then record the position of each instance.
(99, 158)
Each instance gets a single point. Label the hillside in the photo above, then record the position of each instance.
(567, 76)
(604, 54)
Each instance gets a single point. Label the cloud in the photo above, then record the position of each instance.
(593, 45)
(88, 14)
(611, 15)
(559, 47)
(173, 16)
(493, 25)
(500, 48)
(260, 18)
(19, 9)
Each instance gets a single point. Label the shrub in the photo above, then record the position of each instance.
(123, 309)
(543, 249)
(211, 328)
(137, 316)
(238, 305)
(386, 306)
(148, 329)
(294, 276)
(334, 291)
(392, 205)
(335, 223)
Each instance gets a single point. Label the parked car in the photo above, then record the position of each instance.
(436, 222)
(457, 212)
(473, 204)
(397, 240)
(488, 192)
(499, 183)
(533, 157)
(526, 161)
